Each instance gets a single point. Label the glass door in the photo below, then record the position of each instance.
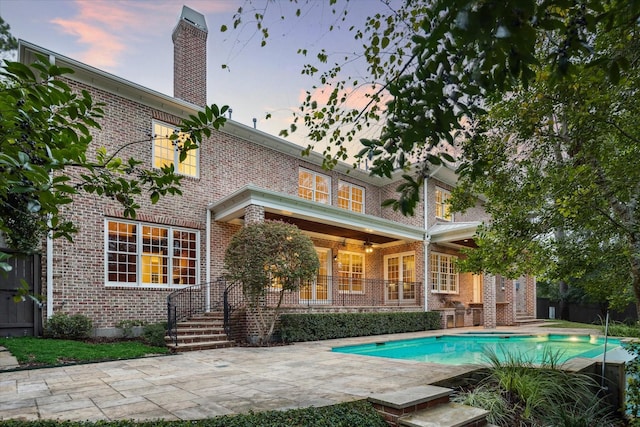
(319, 290)
(400, 276)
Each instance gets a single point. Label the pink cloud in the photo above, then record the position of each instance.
(355, 98)
(110, 29)
(103, 49)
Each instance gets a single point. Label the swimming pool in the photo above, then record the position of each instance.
(471, 348)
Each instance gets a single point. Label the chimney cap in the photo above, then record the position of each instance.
(194, 18)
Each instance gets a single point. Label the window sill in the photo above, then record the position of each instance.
(147, 287)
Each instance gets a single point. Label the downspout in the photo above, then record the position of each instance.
(49, 272)
(208, 261)
(427, 237)
(49, 246)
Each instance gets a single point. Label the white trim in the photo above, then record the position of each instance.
(452, 231)
(400, 256)
(111, 83)
(207, 257)
(442, 205)
(232, 207)
(314, 290)
(176, 152)
(350, 199)
(364, 273)
(457, 275)
(314, 190)
(139, 244)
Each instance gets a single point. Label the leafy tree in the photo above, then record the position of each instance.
(7, 41)
(265, 257)
(438, 61)
(443, 64)
(46, 157)
(557, 162)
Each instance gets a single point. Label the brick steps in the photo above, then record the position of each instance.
(201, 332)
(200, 345)
(427, 406)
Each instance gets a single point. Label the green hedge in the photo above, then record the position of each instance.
(352, 414)
(312, 327)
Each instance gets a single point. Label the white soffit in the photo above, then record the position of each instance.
(233, 206)
(453, 231)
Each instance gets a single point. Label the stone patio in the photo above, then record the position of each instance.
(208, 383)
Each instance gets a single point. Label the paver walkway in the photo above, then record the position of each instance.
(208, 383)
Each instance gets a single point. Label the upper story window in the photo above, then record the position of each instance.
(167, 152)
(314, 186)
(350, 197)
(139, 254)
(443, 207)
(444, 277)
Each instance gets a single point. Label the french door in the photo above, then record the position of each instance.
(319, 290)
(400, 276)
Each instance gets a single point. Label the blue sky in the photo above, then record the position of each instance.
(132, 39)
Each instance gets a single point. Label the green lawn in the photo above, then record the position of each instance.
(44, 351)
(556, 323)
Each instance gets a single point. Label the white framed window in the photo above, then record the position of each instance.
(167, 152)
(400, 275)
(350, 197)
(444, 277)
(351, 272)
(314, 186)
(139, 254)
(318, 291)
(443, 207)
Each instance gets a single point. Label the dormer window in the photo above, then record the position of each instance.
(443, 207)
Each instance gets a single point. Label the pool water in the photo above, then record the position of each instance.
(471, 349)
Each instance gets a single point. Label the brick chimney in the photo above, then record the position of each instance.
(190, 57)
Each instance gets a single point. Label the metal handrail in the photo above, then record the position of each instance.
(183, 304)
(335, 291)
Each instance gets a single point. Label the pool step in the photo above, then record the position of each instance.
(446, 415)
(426, 406)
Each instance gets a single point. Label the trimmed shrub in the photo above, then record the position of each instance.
(153, 333)
(64, 326)
(323, 326)
(127, 327)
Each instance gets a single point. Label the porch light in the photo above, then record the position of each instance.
(368, 247)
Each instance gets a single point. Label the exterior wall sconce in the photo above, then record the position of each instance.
(368, 247)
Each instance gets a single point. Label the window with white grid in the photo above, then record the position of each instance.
(350, 197)
(140, 254)
(444, 277)
(167, 151)
(443, 207)
(351, 272)
(314, 186)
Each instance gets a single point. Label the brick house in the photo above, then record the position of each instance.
(371, 258)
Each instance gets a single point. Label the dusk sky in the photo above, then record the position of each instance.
(132, 39)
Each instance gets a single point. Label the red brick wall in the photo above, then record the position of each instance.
(190, 63)
(227, 163)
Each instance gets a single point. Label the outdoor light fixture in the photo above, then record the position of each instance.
(368, 247)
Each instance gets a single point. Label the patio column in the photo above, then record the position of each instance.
(489, 300)
(253, 214)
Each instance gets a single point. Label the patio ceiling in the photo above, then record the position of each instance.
(313, 217)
